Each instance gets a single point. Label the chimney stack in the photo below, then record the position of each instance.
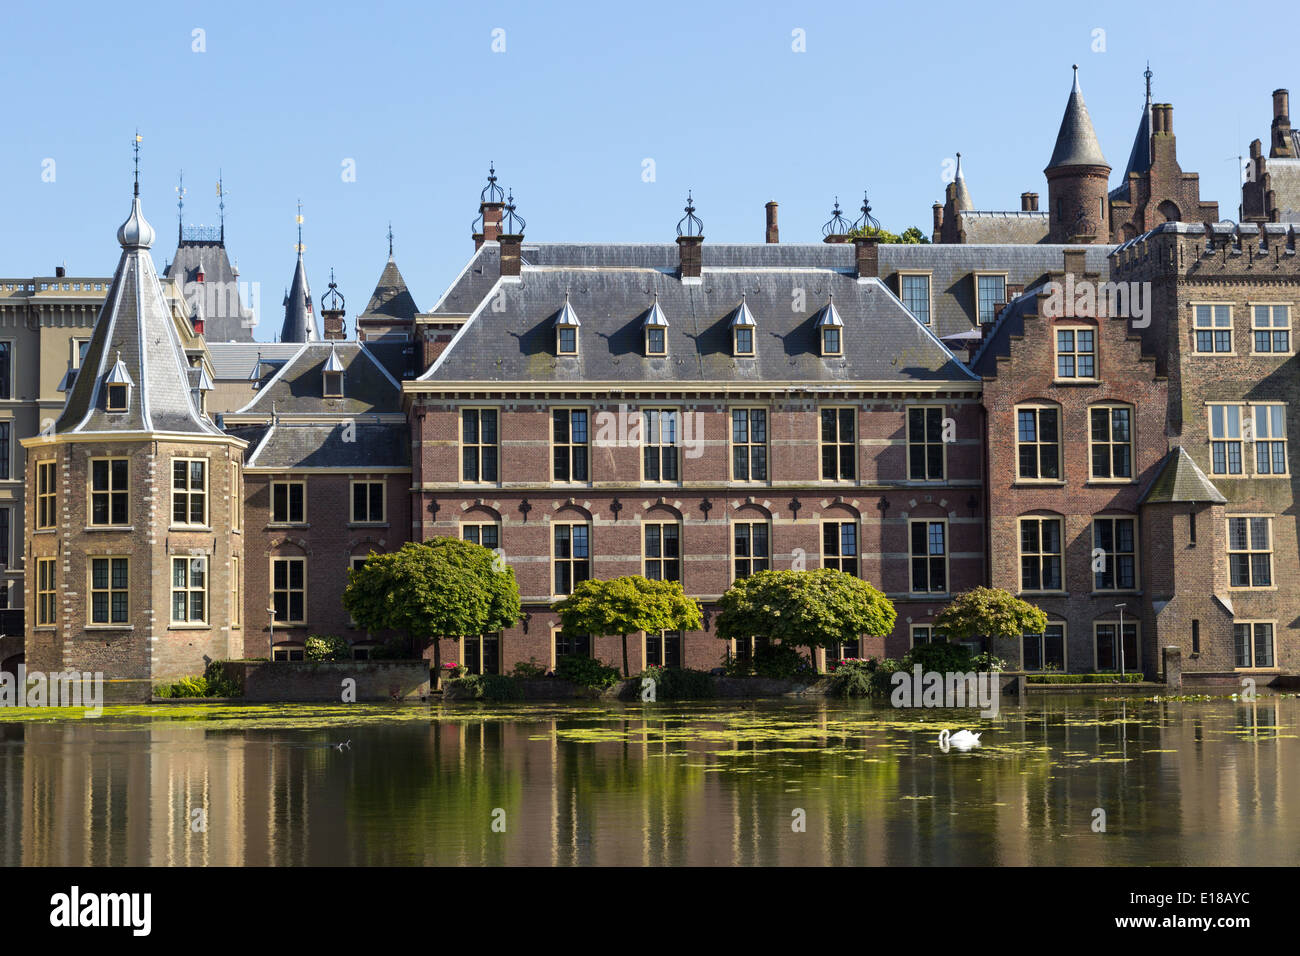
(772, 234)
(866, 257)
(492, 202)
(690, 237)
(1282, 147)
(60, 272)
(1029, 202)
(510, 233)
(938, 221)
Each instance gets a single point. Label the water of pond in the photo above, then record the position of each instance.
(1179, 782)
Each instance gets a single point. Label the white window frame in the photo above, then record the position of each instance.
(1252, 548)
(1271, 330)
(1075, 353)
(288, 484)
(1254, 665)
(1214, 328)
(928, 557)
(904, 274)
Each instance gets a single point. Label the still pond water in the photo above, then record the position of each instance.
(1181, 782)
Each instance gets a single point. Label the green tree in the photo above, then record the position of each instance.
(808, 609)
(441, 588)
(911, 236)
(991, 613)
(626, 605)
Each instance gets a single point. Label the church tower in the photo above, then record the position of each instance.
(133, 518)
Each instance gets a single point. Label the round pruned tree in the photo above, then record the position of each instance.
(626, 605)
(992, 613)
(811, 609)
(444, 587)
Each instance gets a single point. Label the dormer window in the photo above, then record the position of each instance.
(656, 330)
(743, 327)
(566, 330)
(830, 330)
(332, 376)
(117, 395)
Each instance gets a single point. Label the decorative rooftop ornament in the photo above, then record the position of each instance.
(838, 225)
(866, 221)
(690, 224)
(512, 224)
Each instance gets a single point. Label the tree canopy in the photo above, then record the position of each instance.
(989, 612)
(819, 608)
(441, 588)
(910, 236)
(626, 605)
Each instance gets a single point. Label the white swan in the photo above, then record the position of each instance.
(962, 740)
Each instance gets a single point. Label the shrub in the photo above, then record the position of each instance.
(987, 662)
(326, 648)
(1085, 678)
(676, 683)
(500, 687)
(853, 677)
(882, 674)
(586, 672)
(528, 670)
(451, 670)
(782, 662)
(939, 656)
(471, 684)
(212, 684)
(393, 649)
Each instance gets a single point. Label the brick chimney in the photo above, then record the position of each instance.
(772, 234)
(1029, 202)
(510, 253)
(333, 322)
(60, 272)
(938, 222)
(1282, 145)
(866, 257)
(491, 207)
(688, 251)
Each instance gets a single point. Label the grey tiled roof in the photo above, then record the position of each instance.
(1284, 179)
(882, 341)
(391, 299)
(1139, 158)
(234, 361)
(224, 315)
(1076, 141)
(1004, 227)
(299, 312)
(1010, 324)
(1180, 480)
(357, 446)
(299, 387)
(136, 326)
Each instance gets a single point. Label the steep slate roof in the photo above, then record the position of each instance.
(234, 361)
(225, 317)
(1010, 323)
(1076, 141)
(1284, 179)
(882, 341)
(299, 388)
(299, 314)
(1180, 480)
(996, 228)
(357, 446)
(135, 326)
(391, 299)
(1139, 158)
(962, 200)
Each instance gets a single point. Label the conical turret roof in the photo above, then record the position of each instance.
(299, 316)
(1076, 143)
(391, 298)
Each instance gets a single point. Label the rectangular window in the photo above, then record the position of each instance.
(46, 515)
(663, 648)
(992, 290)
(6, 449)
(488, 535)
(570, 443)
(1253, 641)
(753, 547)
(236, 498)
(1114, 554)
(929, 550)
(6, 370)
(289, 590)
(189, 590)
(1250, 552)
(1213, 327)
(839, 444)
(109, 491)
(1225, 439)
(479, 444)
(567, 340)
(1271, 325)
(5, 527)
(568, 644)
(288, 502)
(663, 551)
(482, 654)
(840, 546)
(190, 491)
(236, 593)
(1270, 439)
(367, 502)
(925, 634)
(1111, 438)
(1107, 647)
(110, 586)
(1038, 443)
(45, 589)
(925, 444)
(1076, 353)
(1041, 557)
(656, 341)
(915, 293)
(743, 340)
(572, 556)
(1046, 651)
(661, 438)
(749, 444)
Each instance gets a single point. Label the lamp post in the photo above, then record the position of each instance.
(1121, 606)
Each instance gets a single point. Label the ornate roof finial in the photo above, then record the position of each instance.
(390, 239)
(690, 224)
(299, 228)
(512, 224)
(221, 204)
(334, 295)
(866, 221)
(136, 146)
(491, 192)
(180, 203)
(837, 225)
(1147, 73)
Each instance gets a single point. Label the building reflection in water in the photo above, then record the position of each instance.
(1197, 783)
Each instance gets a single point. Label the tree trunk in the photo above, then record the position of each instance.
(437, 663)
(625, 673)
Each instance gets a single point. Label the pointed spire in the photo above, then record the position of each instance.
(221, 205)
(1139, 157)
(299, 319)
(962, 200)
(390, 240)
(1076, 142)
(180, 205)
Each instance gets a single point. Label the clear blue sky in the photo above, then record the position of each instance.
(584, 92)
